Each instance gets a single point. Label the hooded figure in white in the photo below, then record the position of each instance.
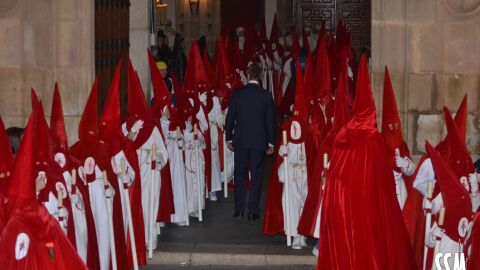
(297, 182)
(145, 159)
(194, 168)
(174, 143)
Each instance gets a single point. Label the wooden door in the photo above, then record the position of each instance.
(111, 43)
(354, 13)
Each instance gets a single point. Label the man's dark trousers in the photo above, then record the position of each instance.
(256, 166)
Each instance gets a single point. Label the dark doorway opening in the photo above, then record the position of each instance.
(236, 13)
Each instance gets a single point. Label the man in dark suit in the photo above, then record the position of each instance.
(250, 126)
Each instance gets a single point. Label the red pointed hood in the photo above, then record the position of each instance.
(295, 45)
(458, 158)
(6, 155)
(274, 32)
(262, 33)
(111, 111)
(223, 70)
(299, 111)
(455, 197)
(306, 43)
(207, 63)
(195, 72)
(391, 125)
(88, 127)
(43, 152)
(363, 123)
(20, 190)
(35, 99)
(341, 114)
(461, 118)
(161, 95)
(309, 80)
(364, 107)
(322, 90)
(137, 103)
(57, 123)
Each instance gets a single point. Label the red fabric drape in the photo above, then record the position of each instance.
(362, 225)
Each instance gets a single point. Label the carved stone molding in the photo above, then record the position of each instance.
(462, 7)
(8, 7)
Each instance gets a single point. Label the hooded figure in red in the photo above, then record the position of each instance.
(402, 165)
(298, 180)
(458, 209)
(143, 129)
(160, 101)
(6, 157)
(49, 174)
(124, 164)
(361, 224)
(65, 166)
(94, 157)
(32, 238)
(310, 220)
(413, 211)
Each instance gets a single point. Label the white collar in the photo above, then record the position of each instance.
(254, 82)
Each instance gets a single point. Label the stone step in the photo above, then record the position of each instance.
(231, 255)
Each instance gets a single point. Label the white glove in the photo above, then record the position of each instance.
(109, 192)
(137, 126)
(437, 203)
(401, 162)
(283, 151)
(188, 126)
(203, 97)
(473, 179)
(62, 213)
(73, 199)
(350, 72)
(126, 179)
(406, 165)
(427, 204)
(432, 235)
(180, 144)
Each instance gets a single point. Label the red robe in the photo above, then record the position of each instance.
(42, 230)
(362, 225)
(101, 153)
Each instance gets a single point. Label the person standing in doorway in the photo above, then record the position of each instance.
(250, 127)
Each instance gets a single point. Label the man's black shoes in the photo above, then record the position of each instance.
(253, 217)
(238, 214)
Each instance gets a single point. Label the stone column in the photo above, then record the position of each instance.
(432, 48)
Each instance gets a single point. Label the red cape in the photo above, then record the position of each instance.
(362, 225)
(273, 222)
(42, 230)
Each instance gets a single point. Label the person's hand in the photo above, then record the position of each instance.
(137, 126)
(73, 198)
(283, 151)
(270, 150)
(62, 213)
(40, 182)
(109, 192)
(230, 146)
(473, 179)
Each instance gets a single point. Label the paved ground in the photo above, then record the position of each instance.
(186, 267)
(222, 242)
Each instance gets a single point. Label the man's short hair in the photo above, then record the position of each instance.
(254, 72)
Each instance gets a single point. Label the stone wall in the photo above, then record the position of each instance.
(43, 41)
(432, 48)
